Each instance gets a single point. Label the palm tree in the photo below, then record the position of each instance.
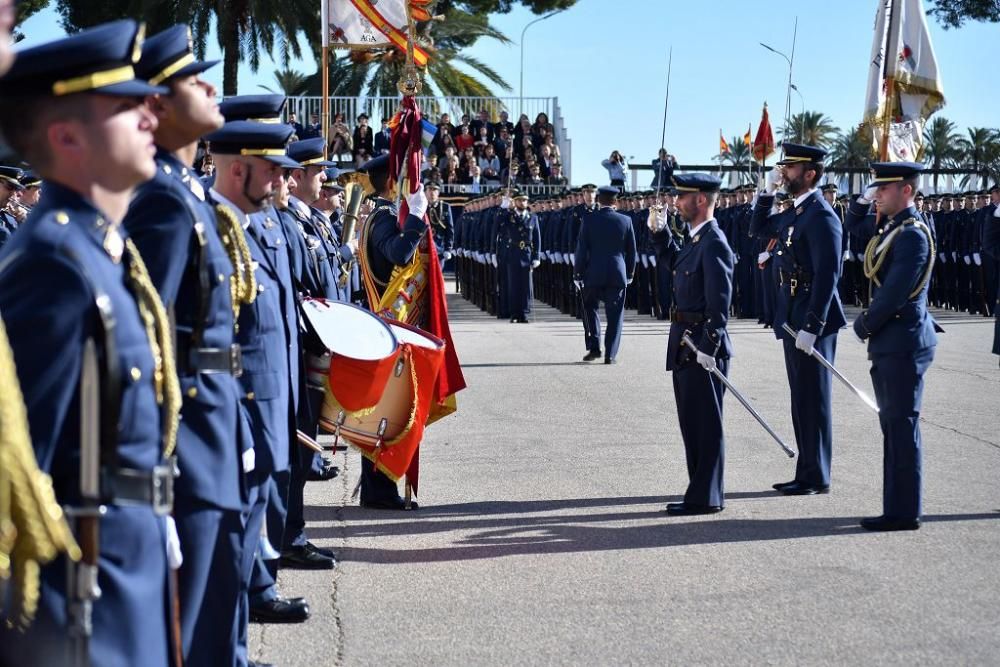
(852, 149)
(973, 150)
(290, 82)
(811, 127)
(940, 147)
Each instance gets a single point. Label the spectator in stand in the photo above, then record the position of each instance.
(382, 138)
(313, 130)
(207, 167)
(522, 129)
(489, 165)
(534, 175)
(510, 173)
(340, 138)
(443, 161)
(663, 170)
(363, 137)
(541, 128)
(434, 175)
(556, 177)
(545, 160)
(617, 168)
(501, 144)
(503, 124)
(550, 141)
(464, 139)
(523, 148)
(445, 130)
(482, 121)
(483, 139)
(450, 175)
(467, 158)
(447, 142)
(293, 120)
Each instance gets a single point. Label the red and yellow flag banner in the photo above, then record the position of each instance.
(763, 143)
(373, 24)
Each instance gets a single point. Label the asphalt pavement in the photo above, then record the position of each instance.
(541, 538)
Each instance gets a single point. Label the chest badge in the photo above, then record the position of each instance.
(788, 241)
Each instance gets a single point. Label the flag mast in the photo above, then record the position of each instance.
(325, 74)
(889, 76)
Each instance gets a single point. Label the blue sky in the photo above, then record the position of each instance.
(606, 61)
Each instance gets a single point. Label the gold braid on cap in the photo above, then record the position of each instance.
(243, 284)
(33, 530)
(158, 330)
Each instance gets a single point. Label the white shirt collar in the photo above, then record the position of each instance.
(802, 198)
(240, 215)
(695, 230)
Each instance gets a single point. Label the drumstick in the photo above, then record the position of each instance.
(308, 442)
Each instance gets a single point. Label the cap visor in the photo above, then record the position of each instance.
(282, 161)
(133, 88)
(192, 69)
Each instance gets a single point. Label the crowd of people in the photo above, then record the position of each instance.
(172, 382)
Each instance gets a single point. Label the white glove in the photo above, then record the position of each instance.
(652, 261)
(645, 261)
(417, 202)
(968, 260)
(771, 182)
(942, 258)
(445, 256)
(847, 255)
(249, 460)
(628, 282)
(705, 361)
(535, 263)
(763, 257)
(805, 341)
(977, 259)
(954, 256)
(572, 260)
(174, 556)
(861, 256)
(579, 285)
(493, 260)
(544, 255)
(868, 196)
(505, 202)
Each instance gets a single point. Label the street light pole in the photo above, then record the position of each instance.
(790, 61)
(520, 97)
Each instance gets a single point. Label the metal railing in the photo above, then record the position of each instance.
(488, 188)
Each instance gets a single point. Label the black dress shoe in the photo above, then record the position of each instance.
(781, 485)
(304, 558)
(684, 509)
(279, 610)
(391, 504)
(328, 473)
(610, 361)
(800, 489)
(327, 461)
(251, 663)
(319, 550)
(593, 354)
(882, 523)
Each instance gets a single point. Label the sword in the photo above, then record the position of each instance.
(746, 404)
(865, 398)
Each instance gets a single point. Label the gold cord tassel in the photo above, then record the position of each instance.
(874, 260)
(33, 530)
(154, 317)
(243, 285)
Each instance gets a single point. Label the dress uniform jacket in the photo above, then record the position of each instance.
(991, 245)
(519, 234)
(53, 273)
(901, 340)
(703, 289)
(175, 231)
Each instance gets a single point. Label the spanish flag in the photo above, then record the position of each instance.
(723, 146)
(746, 137)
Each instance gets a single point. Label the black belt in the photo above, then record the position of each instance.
(194, 360)
(127, 487)
(795, 279)
(680, 316)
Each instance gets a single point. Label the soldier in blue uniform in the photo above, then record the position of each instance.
(388, 246)
(442, 224)
(807, 264)
(605, 262)
(73, 281)
(991, 246)
(251, 159)
(703, 289)
(900, 333)
(518, 234)
(10, 183)
(176, 232)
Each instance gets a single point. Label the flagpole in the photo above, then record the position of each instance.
(325, 73)
(889, 77)
(666, 103)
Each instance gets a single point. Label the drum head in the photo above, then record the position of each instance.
(349, 331)
(406, 333)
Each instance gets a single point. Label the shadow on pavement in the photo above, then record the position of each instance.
(556, 535)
